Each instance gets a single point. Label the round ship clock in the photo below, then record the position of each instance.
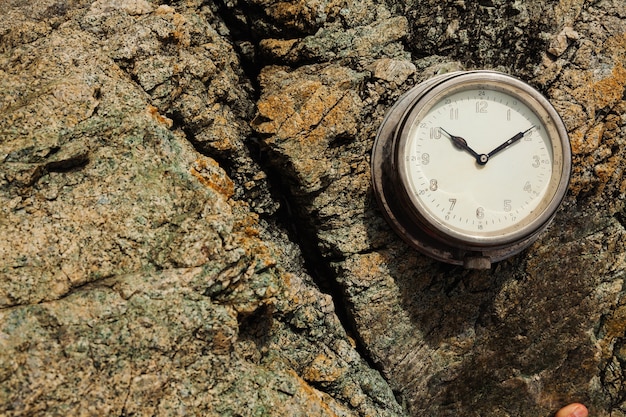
(469, 167)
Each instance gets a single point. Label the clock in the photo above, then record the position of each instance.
(470, 167)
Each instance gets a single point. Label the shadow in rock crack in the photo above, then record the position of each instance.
(293, 219)
(290, 214)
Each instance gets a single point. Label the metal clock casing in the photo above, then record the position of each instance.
(469, 167)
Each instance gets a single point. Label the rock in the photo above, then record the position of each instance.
(188, 225)
(560, 43)
(452, 341)
(136, 274)
(393, 70)
(336, 44)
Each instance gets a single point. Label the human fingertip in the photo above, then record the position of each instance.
(573, 410)
(579, 411)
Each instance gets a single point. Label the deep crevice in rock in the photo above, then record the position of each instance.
(291, 215)
(621, 218)
(241, 37)
(292, 218)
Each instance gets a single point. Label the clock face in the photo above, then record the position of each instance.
(478, 163)
(469, 167)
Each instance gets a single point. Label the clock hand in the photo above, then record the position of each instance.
(461, 143)
(510, 141)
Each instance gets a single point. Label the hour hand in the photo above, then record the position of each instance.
(461, 143)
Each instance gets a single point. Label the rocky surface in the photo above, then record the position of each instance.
(188, 227)
(137, 275)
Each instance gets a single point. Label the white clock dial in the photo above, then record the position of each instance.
(469, 167)
(472, 197)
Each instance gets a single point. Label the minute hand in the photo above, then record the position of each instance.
(510, 142)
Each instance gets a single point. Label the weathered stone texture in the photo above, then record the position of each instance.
(152, 156)
(530, 334)
(136, 276)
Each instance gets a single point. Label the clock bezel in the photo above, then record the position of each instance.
(400, 211)
(536, 103)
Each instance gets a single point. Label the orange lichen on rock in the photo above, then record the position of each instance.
(302, 105)
(601, 94)
(323, 369)
(249, 223)
(282, 115)
(586, 139)
(277, 47)
(304, 113)
(610, 90)
(209, 173)
(154, 113)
